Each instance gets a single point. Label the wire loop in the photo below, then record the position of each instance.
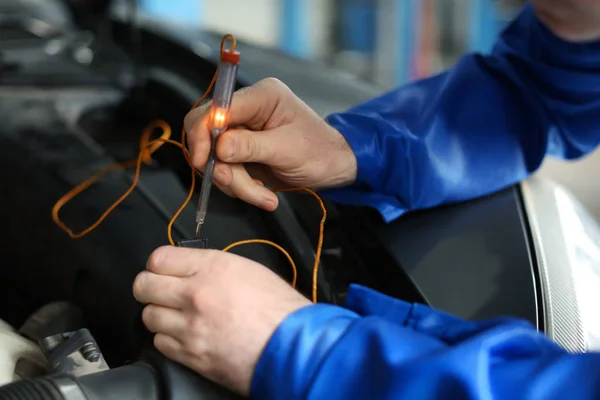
(147, 148)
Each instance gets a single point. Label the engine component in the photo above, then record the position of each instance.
(17, 350)
(201, 243)
(152, 378)
(74, 353)
(52, 318)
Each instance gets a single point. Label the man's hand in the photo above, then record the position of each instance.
(274, 139)
(212, 311)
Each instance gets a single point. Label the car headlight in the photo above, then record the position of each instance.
(566, 240)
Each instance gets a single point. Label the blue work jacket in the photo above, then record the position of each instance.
(483, 125)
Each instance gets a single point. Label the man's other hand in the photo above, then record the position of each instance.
(212, 311)
(274, 139)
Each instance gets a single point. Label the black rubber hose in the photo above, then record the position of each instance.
(136, 381)
(155, 378)
(37, 389)
(132, 382)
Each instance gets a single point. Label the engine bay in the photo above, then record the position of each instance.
(76, 92)
(71, 104)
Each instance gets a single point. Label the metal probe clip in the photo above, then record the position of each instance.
(217, 124)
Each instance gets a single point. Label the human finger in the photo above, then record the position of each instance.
(166, 320)
(175, 261)
(247, 189)
(172, 348)
(271, 147)
(227, 191)
(223, 174)
(264, 175)
(251, 107)
(181, 262)
(159, 289)
(254, 105)
(224, 187)
(197, 134)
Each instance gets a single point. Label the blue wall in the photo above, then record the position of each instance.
(294, 28)
(408, 18)
(358, 20)
(184, 11)
(485, 24)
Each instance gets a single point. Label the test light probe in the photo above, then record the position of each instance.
(218, 118)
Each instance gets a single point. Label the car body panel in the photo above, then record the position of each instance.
(472, 259)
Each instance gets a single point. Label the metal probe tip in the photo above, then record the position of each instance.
(198, 226)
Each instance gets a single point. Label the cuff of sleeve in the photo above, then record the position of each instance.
(368, 188)
(368, 302)
(290, 360)
(364, 145)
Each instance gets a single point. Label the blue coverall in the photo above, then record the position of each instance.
(483, 125)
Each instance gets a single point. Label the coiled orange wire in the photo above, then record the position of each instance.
(147, 148)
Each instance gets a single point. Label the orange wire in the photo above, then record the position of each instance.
(278, 247)
(147, 148)
(315, 271)
(145, 156)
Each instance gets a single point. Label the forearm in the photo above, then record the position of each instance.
(484, 125)
(573, 20)
(389, 349)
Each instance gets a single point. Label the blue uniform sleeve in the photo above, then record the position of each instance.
(382, 348)
(483, 125)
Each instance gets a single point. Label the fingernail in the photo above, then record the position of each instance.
(231, 148)
(269, 202)
(219, 173)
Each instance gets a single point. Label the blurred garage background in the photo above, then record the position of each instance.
(389, 42)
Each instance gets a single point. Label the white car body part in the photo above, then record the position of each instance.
(14, 348)
(566, 241)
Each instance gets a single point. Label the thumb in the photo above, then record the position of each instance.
(245, 146)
